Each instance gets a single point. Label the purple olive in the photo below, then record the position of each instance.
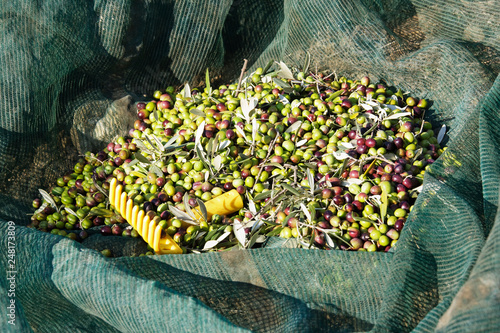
(398, 225)
(106, 230)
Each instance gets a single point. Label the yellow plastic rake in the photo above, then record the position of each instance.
(151, 232)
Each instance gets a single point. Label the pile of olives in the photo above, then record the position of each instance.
(325, 162)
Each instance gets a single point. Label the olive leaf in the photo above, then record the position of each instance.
(391, 156)
(199, 132)
(71, 211)
(339, 155)
(295, 126)
(48, 198)
(247, 106)
(157, 171)
(239, 232)
(291, 189)
(187, 91)
(150, 142)
(132, 163)
(252, 207)
(181, 215)
(383, 206)
(207, 83)
(277, 165)
(256, 238)
(254, 130)
(155, 115)
(242, 133)
(441, 134)
(306, 212)
(397, 115)
(171, 141)
(101, 212)
(142, 146)
(366, 106)
(141, 169)
(334, 95)
(210, 145)
(263, 195)
(99, 188)
(41, 208)
(212, 243)
(138, 174)
(345, 145)
(329, 241)
(203, 209)
(158, 142)
(274, 232)
(285, 72)
(418, 189)
(283, 99)
(141, 158)
(185, 201)
(280, 83)
(203, 159)
(310, 180)
(217, 162)
(393, 107)
(197, 112)
(301, 142)
(223, 145)
(269, 64)
(361, 219)
(351, 181)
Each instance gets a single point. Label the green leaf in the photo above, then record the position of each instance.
(291, 189)
(397, 115)
(141, 158)
(310, 180)
(269, 64)
(181, 215)
(285, 72)
(263, 195)
(441, 134)
(280, 83)
(48, 198)
(207, 80)
(158, 142)
(383, 206)
(362, 219)
(101, 212)
(187, 91)
(254, 239)
(171, 141)
(197, 112)
(295, 126)
(277, 165)
(71, 211)
(185, 201)
(204, 161)
(156, 170)
(274, 232)
(142, 146)
(203, 209)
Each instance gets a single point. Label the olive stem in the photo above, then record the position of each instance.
(243, 69)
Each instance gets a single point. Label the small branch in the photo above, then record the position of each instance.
(243, 69)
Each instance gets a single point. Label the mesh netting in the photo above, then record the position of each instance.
(70, 74)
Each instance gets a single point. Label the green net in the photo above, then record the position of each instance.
(70, 74)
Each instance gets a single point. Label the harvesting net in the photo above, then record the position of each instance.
(70, 74)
